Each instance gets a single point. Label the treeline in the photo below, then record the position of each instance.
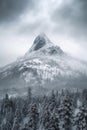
(65, 110)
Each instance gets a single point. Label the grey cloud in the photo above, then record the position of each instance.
(72, 17)
(11, 9)
(36, 26)
(29, 28)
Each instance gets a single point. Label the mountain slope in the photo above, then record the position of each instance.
(44, 67)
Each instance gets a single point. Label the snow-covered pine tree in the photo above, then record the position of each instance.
(54, 123)
(45, 119)
(42, 109)
(84, 97)
(33, 118)
(6, 114)
(17, 119)
(80, 122)
(25, 108)
(27, 102)
(52, 101)
(5, 125)
(58, 99)
(29, 96)
(67, 113)
(5, 105)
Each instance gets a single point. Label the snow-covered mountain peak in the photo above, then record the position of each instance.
(42, 45)
(40, 41)
(44, 67)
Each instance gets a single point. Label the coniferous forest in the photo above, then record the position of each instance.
(65, 110)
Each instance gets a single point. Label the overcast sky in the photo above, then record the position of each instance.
(63, 21)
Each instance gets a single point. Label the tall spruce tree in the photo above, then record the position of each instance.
(29, 96)
(33, 118)
(67, 113)
(54, 123)
(52, 101)
(5, 125)
(17, 119)
(81, 123)
(25, 108)
(45, 120)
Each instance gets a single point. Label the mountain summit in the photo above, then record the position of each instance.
(40, 41)
(43, 45)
